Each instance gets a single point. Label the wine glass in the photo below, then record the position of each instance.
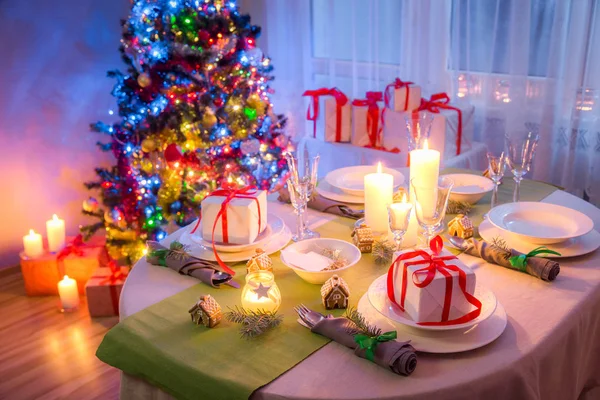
(431, 202)
(303, 174)
(298, 199)
(496, 168)
(418, 128)
(399, 216)
(520, 152)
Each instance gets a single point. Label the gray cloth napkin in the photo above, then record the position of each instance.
(320, 203)
(539, 267)
(206, 271)
(398, 357)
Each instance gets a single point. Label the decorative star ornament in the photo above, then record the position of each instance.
(262, 291)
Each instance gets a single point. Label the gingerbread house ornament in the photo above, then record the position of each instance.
(362, 237)
(260, 261)
(206, 312)
(461, 226)
(335, 293)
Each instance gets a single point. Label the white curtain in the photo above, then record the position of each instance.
(524, 64)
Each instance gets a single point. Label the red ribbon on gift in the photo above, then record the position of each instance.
(435, 264)
(441, 100)
(340, 100)
(116, 276)
(397, 84)
(247, 192)
(372, 115)
(74, 247)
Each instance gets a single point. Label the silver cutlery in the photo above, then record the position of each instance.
(457, 242)
(308, 316)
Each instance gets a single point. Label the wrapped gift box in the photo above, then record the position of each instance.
(444, 130)
(242, 218)
(399, 98)
(103, 291)
(330, 119)
(361, 126)
(41, 274)
(426, 304)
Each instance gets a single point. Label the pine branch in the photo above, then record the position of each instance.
(383, 252)
(501, 244)
(361, 323)
(459, 207)
(254, 323)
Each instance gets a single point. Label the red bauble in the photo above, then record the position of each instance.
(203, 35)
(172, 153)
(218, 102)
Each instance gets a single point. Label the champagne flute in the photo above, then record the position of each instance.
(520, 153)
(303, 175)
(399, 216)
(431, 203)
(298, 199)
(496, 168)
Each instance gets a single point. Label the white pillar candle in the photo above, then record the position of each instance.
(55, 230)
(69, 295)
(379, 192)
(32, 244)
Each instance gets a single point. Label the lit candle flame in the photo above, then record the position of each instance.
(379, 167)
(426, 145)
(66, 278)
(31, 232)
(404, 200)
(54, 217)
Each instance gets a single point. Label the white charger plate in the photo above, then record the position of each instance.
(351, 180)
(540, 223)
(440, 342)
(335, 194)
(273, 245)
(569, 248)
(274, 227)
(378, 297)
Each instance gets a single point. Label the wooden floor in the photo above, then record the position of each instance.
(45, 354)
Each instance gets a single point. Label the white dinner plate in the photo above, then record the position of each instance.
(333, 193)
(351, 180)
(540, 223)
(273, 245)
(569, 248)
(378, 297)
(440, 342)
(274, 227)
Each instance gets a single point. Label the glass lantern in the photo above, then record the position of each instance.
(261, 292)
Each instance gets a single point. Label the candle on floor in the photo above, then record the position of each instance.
(69, 295)
(55, 230)
(379, 192)
(32, 244)
(261, 292)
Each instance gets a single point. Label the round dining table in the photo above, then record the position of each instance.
(550, 348)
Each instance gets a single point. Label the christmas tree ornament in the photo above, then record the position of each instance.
(144, 80)
(206, 312)
(209, 119)
(335, 293)
(148, 145)
(461, 226)
(91, 205)
(146, 165)
(254, 101)
(173, 153)
(250, 146)
(260, 261)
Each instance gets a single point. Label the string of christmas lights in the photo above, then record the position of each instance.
(195, 113)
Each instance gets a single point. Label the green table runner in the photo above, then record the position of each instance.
(162, 345)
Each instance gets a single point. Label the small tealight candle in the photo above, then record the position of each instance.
(379, 192)
(32, 244)
(55, 230)
(261, 292)
(69, 295)
(399, 214)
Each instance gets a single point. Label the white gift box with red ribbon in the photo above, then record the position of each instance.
(331, 121)
(426, 304)
(406, 98)
(245, 218)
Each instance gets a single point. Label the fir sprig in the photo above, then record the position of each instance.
(254, 323)
(459, 207)
(362, 325)
(501, 244)
(383, 252)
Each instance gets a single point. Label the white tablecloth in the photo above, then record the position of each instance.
(338, 155)
(549, 350)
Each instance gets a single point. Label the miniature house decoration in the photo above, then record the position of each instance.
(335, 293)
(206, 312)
(259, 262)
(461, 226)
(362, 237)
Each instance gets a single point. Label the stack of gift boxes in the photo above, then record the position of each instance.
(86, 266)
(379, 120)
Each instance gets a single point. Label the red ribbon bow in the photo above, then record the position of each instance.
(247, 192)
(340, 100)
(372, 116)
(75, 247)
(435, 264)
(441, 100)
(397, 84)
(115, 274)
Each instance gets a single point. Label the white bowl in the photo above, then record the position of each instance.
(348, 251)
(469, 188)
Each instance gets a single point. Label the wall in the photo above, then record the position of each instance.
(53, 62)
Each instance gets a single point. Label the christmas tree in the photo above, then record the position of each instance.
(194, 114)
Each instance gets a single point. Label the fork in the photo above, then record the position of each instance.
(308, 316)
